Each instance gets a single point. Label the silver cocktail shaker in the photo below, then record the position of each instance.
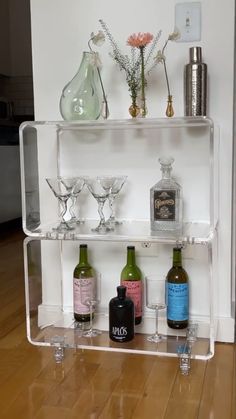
(195, 84)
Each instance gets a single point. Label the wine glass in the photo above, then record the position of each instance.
(101, 195)
(74, 195)
(155, 300)
(62, 188)
(114, 191)
(91, 298)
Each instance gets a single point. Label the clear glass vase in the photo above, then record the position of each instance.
(81, 98)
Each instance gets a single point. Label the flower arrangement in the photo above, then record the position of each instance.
(140, 41)
(136, 67)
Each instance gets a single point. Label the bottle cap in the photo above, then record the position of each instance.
(195, 54)
(121, 291)
(83, 246)
(178, 249)
(130, 247)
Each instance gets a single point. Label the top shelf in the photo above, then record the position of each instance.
(121, 124)
(119, 147)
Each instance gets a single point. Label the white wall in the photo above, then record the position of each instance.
(60, 31)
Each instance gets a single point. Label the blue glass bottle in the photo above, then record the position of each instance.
(177, 293)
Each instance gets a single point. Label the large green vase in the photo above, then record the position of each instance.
(81, 98)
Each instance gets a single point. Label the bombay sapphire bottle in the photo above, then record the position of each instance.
(166, 201)
(82, 98)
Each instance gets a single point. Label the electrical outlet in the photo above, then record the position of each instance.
(188, 21)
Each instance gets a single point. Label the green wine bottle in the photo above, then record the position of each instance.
(177, 293)
(83, 283)
(131, 278)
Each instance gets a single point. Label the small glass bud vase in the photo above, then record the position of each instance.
(81, 98)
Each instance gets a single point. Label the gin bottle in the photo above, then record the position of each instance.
(166, 201)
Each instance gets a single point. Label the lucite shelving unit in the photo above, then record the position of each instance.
(131, 147)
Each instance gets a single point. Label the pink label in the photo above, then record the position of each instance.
(134, 291)
(83, 292)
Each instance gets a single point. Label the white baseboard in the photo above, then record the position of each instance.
(225, 329)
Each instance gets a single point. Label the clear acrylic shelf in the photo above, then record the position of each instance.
(49, 268)
(135, 231)
(131, 148)
(72, 337)
(127, 147)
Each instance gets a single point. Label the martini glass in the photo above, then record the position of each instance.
(155, 300)
(73, 198)
(62, 188)
(114, 191)
(101, 195)
(108, 183)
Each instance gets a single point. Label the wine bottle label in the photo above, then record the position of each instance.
(83, 290)
(134, 291)
(119, 332)
(164, 205)
(177, 301)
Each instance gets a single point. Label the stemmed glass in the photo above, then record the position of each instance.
(114, 191)
(62, 188)
(74, 195)
(101, 195)
(155, 300)
(91, 299)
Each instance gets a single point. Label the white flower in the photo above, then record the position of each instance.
(98, 39)
(95, 60)
(174, 35)
(160, 57)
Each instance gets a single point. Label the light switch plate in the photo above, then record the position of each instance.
(188, 21)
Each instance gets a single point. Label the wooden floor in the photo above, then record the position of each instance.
(91, 384)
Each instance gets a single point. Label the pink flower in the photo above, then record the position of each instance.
(140, 39)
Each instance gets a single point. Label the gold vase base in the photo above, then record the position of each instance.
(169, 109)
(134, 110)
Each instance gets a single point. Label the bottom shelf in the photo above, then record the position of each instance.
(67, 333)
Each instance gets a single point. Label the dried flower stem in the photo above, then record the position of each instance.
(165, 68)
(144, 110)
(100, 79)
(153, 46)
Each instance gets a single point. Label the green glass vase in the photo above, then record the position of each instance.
(81, 98)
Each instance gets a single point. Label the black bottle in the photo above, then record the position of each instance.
(121, 317)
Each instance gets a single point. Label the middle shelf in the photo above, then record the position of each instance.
(128, 230)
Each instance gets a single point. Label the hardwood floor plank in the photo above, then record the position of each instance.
(28, 402)
(217, 389)
(184, 399)
(233, 414)
(34, 362)
(157, 389)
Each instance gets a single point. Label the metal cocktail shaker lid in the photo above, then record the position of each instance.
(195, 55)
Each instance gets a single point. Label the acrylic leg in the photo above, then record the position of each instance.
(184, 353)
(192, 331)
(58, 342)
